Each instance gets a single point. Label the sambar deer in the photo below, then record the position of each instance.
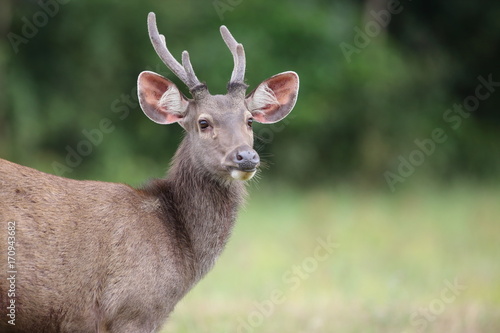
(89, 256)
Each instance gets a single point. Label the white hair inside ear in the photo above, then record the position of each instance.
(262, 98)
(172, 100)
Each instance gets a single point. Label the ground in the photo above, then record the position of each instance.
(343, 260)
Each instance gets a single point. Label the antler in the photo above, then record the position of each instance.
(238, 75)
(185, 71)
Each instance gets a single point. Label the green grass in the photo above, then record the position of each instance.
(397, 254)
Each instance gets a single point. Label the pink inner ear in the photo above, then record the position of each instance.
(151, 89)
(154, 86)
(260, 116)
(283, 87)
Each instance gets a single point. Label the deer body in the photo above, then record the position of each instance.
(151, 245)
(103, 257)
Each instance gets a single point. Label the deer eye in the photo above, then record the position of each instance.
(203, 124)
(250, 122)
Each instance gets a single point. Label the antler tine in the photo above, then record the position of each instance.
(238, 53)
(161, 49)
(184, 73)
(193, 80)
(239, 72)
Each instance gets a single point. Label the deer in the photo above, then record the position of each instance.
(91, 256)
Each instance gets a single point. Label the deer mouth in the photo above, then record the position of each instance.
(239, 174)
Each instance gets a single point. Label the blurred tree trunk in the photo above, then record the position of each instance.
(376, 6)
(373, 150)
(5, 20)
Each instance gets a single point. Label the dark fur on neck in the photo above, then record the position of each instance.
(199, 209)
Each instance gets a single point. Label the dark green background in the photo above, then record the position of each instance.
(355, 118)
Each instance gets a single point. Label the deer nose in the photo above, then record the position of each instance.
(246, 159)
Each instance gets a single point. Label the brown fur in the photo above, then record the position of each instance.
(103, 257)
(94, 254)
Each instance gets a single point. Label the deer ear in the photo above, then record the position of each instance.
(274, 98)
(160, 99)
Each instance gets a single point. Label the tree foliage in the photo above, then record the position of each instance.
(377, 78)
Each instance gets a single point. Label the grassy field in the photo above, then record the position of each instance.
(340, 260)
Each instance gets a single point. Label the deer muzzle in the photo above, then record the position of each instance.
(243, 162)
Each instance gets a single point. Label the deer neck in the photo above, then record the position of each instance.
(207, 208)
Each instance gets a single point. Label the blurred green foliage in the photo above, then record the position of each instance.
(355, 116)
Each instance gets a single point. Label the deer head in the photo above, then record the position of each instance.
(218, 127)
